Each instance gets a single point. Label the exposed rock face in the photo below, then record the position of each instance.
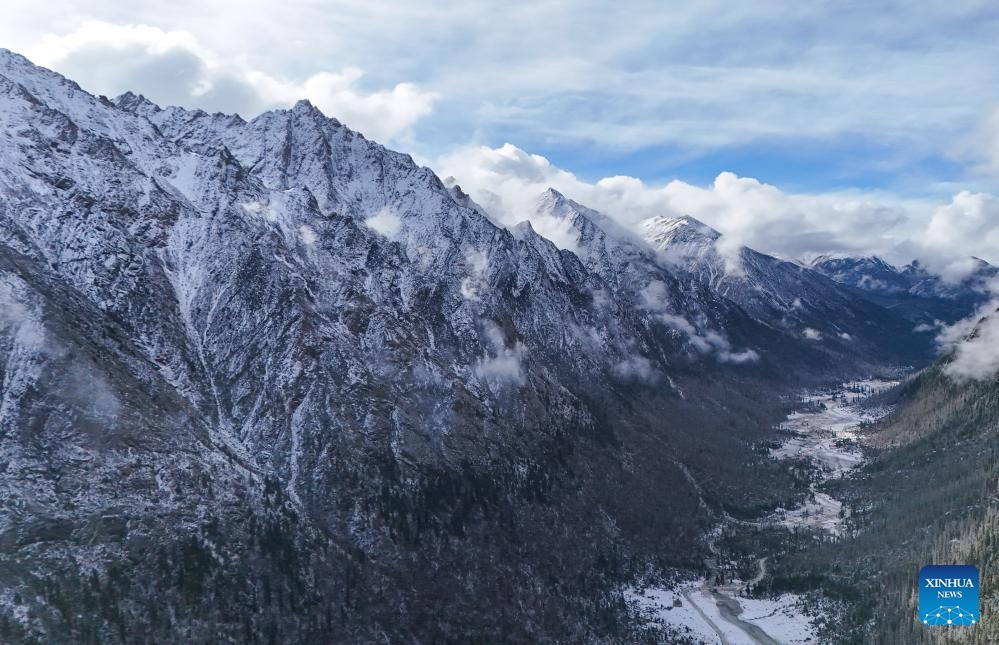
(269, 381)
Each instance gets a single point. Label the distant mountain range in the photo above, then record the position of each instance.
(912, 291)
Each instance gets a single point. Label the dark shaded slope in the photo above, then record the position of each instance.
(278, 424)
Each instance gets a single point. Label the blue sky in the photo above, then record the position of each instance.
(883, 101)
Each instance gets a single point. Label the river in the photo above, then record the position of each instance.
(824, 432)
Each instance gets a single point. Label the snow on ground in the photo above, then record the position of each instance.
(782, 618)
(700, 617)
(824, 512)
(656, 606)
(701, 597)
(828, 437)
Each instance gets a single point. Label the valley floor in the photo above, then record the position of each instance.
(825, 434)
(721, 615)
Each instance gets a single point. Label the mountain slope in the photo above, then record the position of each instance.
(797, 302)
(927, 496)
(922, 297)
(269, 381)
(315, 390)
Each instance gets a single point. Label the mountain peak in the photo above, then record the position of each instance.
(663, 232)
(304, 105)
(21, 70)
(136, 103)
(305, 109)
(870, 261)
(523, 230)
(587, 222)
(552, 200)
(8, 57)
(551, 193)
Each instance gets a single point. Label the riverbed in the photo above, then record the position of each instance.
(827, 435)
(825, 432)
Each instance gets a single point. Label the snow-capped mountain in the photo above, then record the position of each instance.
(690, 238)
(914, 292)
(269, 380)
(871, 274)
(784, 295)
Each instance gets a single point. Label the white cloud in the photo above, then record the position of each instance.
(254, 208)
(173, 68)
(504, 365)
(558, 230)
(506, 180)
(385, 222)
(812, 334)
(704, 73)
(718, 87)
(745, 356)
(474, 283)
(307, 234)
(705, 341)
(12, 310)
(380, 115)
(974, 343)
(270, 211)
(18, 318)
(968, 225)
(637, 368)
(468, 290)
(654, 296)
(684, 326)
(982, 147)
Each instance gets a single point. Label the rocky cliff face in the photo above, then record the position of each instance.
(269, 381)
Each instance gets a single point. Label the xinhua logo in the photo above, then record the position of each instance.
(948, 594)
